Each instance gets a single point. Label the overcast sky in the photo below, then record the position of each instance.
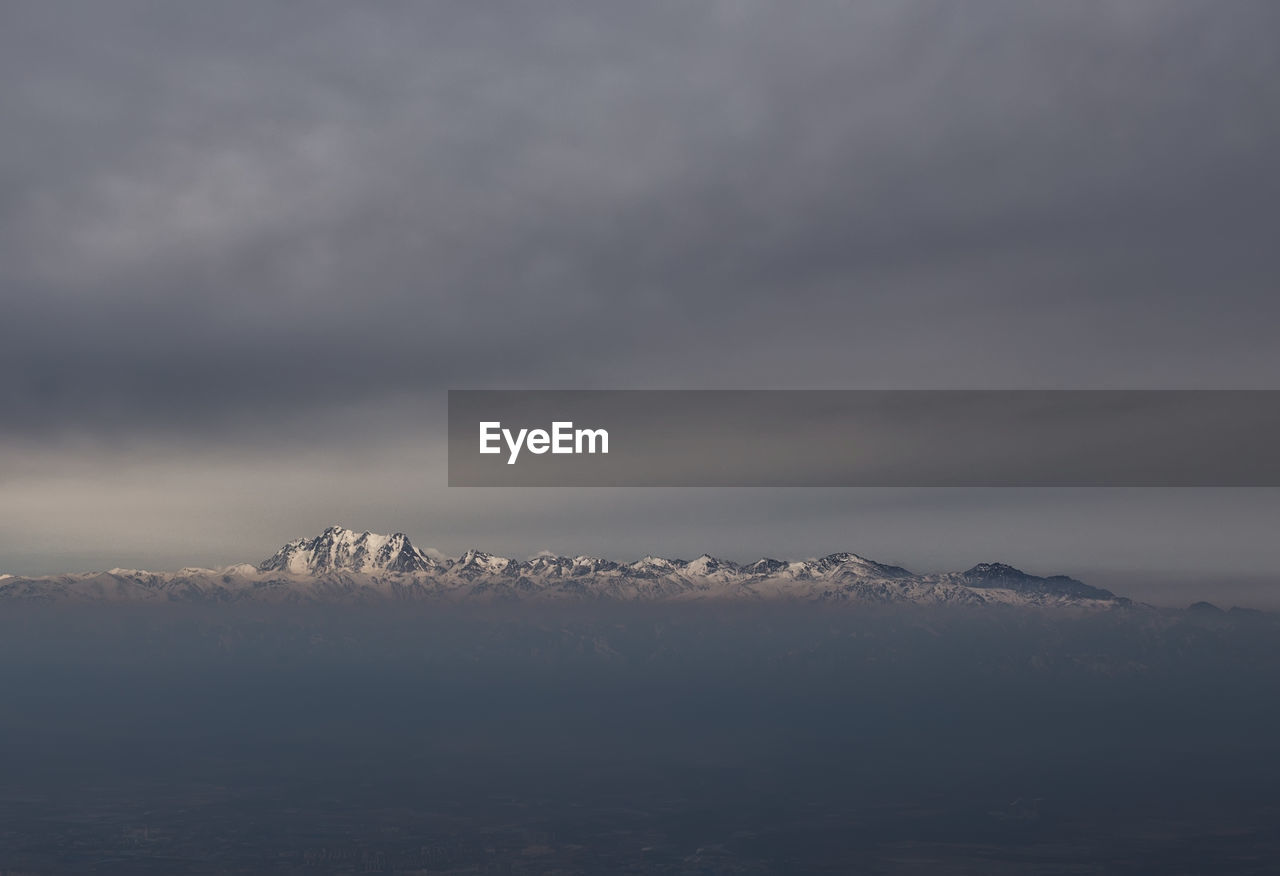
(246, 247)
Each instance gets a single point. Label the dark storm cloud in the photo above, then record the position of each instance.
(242, 211)
(246, 248)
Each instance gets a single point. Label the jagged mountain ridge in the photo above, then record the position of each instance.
(344, 565)
(338, 549)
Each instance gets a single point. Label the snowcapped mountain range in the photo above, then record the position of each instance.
(340, 565)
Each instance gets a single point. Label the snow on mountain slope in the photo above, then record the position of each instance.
(338, 549)
(1000, 576)
(342, 565)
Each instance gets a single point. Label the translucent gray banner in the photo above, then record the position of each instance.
(869, 438)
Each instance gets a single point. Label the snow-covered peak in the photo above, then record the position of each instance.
(653, 567)
(707, 565)
(764, 566)
(476, 562)
(239, 569)
(546, 563)
(655, 562)
(845, 564)
(338, 549)
(987, 571)
(1001, 575)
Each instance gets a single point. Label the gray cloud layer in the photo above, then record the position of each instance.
(274, 234)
